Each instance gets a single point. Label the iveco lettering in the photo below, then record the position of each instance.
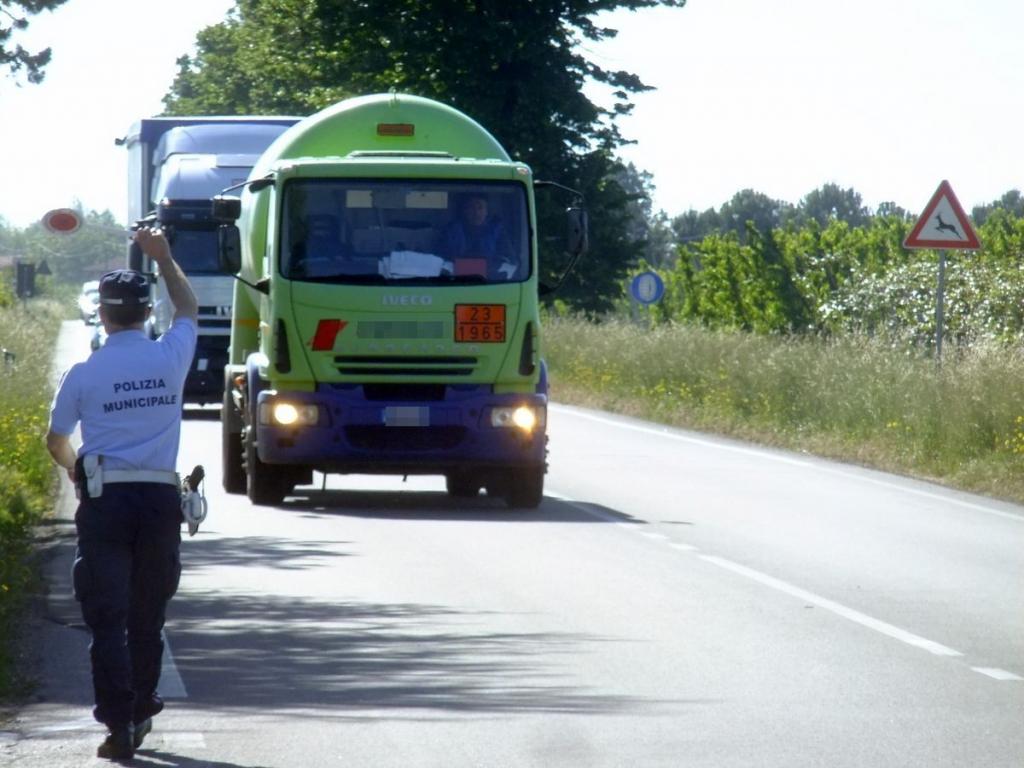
(407, 300)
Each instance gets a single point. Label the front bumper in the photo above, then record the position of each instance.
(356, 434)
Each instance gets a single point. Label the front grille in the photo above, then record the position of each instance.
(412, 365)
(381, 438)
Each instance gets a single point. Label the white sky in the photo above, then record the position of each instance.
(886, 96)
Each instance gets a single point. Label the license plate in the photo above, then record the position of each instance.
(480, 323)
(406, 416)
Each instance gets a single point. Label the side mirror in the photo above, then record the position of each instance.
(577, 237)
(226, 208)
(229, 248)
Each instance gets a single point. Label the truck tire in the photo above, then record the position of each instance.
(264, 484)
(232, 458)
(526, 488)
(462, 485)
(232, 462)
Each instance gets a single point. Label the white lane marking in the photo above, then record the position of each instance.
(682, 547)
(171, 685)
(876, 624)
(829, 605)
(632, 526)
(997, 674)
(766, 454)
(80, 724)
(929, 495)
(184, 740)
(665, 432)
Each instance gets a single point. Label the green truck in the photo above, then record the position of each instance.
(385, 317)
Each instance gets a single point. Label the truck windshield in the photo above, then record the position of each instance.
(437, 232)
(195, 250)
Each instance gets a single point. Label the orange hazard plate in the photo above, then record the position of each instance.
(483, 323)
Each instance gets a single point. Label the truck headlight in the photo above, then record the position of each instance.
(526, 418)
(288, 414)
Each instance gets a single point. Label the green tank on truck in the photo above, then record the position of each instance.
(386, 315)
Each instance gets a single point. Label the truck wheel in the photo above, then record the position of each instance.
(232, 458)
(525, 488)
(232, 462)
(462, 485)
(263, 482)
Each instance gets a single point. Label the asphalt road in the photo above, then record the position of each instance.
(677, 600)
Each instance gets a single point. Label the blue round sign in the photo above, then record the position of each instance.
(647, 288)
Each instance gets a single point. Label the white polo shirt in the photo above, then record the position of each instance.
(127, 396)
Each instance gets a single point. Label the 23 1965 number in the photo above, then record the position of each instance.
(482, 323)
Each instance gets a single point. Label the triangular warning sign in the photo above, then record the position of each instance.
(943, 224)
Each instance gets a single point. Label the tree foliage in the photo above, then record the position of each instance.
(14, 18)
(1012, 202)
(514, 67)
(843, 277)
(824, 204)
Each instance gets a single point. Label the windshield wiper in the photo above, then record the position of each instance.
(356, 279)
(445, 279)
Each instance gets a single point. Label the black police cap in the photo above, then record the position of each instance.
(124, 287)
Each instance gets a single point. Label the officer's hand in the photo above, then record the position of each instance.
(71, 475)
(153, 243)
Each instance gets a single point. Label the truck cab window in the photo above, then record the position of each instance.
(433, 232)
(195, 250)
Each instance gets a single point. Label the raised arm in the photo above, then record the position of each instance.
(155, 245)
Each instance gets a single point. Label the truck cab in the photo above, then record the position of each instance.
(386, 318)
(176, 166)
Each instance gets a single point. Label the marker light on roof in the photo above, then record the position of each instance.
(396, 129)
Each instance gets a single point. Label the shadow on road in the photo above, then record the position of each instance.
(265, 551)
(437, 505)
(417, 660)
(155, 757)
(261, 652)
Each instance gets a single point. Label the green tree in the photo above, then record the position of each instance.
(833, 202)
(1011, 202)
(695, 225)
(748, 206)
(889, 208)
(14, 17)
(515, 67)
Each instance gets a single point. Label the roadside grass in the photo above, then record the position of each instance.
(28, 331)
(854, 399)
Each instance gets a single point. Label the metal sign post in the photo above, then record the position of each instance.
(940, 296)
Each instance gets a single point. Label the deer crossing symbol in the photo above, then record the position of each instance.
(944, 227)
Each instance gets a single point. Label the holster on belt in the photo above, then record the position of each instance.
(89, 476)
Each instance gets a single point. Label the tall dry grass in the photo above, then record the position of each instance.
(28, 333)
(857, 399)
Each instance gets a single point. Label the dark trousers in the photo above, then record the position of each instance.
(126, 569)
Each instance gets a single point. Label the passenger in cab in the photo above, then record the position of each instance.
(477, 243)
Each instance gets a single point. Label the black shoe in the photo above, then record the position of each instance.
(118, 744)
(142, 731)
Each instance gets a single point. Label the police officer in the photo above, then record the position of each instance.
(127, 398)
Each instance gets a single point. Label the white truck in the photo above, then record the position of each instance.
(176, 165)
